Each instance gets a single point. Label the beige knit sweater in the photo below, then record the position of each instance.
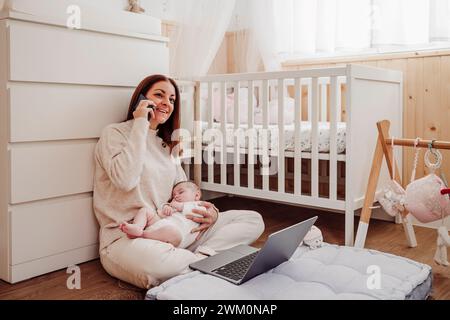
(132, 170)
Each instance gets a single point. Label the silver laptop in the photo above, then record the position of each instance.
(243, 262)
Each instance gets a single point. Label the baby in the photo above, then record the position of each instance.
(170, 224)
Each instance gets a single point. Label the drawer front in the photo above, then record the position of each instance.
(44, 112)
(44, 53)
(46, 228)
(23, 271)
(95, 15)
(47, 170)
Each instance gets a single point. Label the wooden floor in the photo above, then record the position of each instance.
(383, 236)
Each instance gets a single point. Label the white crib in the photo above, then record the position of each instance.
(350, 98)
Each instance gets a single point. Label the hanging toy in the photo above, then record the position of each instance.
(423, 196)
(427, 200)
(392, 197)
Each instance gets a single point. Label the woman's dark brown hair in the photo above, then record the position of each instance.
(166, 129)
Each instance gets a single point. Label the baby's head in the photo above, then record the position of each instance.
(186, 191)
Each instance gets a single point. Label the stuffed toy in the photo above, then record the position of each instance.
(135, 7)
(313, 238)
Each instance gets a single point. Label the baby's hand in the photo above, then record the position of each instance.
(178, 206)
(167, 210)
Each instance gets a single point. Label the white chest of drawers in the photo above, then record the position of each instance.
(58, 89)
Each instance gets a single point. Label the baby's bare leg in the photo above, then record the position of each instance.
(143, 218)
(165, 234)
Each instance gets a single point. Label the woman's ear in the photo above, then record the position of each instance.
(198, 195)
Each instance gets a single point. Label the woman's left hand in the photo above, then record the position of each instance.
(207, 219)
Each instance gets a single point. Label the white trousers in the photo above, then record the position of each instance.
(146, 263)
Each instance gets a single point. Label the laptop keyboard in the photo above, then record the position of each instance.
(236, 270)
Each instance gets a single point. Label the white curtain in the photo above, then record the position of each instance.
(439, 23)
(307, 27)
(254, 43)
(401, 22)
(327, 26)
(202, 25)
(263, 26)
(201, 28)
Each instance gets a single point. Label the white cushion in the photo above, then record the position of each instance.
(329, 272)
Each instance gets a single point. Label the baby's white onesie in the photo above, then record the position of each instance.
(179, 221)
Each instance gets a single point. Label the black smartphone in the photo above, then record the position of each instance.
(142, 97)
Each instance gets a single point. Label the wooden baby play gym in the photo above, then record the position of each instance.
(384, 149)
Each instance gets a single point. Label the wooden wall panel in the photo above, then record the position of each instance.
(432, 119)
(413, 107)
(444, 110)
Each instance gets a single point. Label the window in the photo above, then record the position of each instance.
(325, 28)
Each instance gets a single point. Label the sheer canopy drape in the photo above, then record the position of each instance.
(255, 35)
(201, 26)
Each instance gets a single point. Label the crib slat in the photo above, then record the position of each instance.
(197, 136)
(265, 136)
(315, 139)
(333, 134)
(297, 147)
(323, 101)
(210, 125)
(280, 155)
(309, 100)
(251, 146)
(237, 171)
(223, 124)
(340, 82)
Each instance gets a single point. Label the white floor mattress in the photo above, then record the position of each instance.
(289, 131)
(330, 272)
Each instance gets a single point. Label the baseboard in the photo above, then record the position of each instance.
(209, 195)
(378, 214)
(48, 264)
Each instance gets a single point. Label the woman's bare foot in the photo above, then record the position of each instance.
(132, 230)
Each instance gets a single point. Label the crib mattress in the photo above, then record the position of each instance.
(326, 273)
(289, 135)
